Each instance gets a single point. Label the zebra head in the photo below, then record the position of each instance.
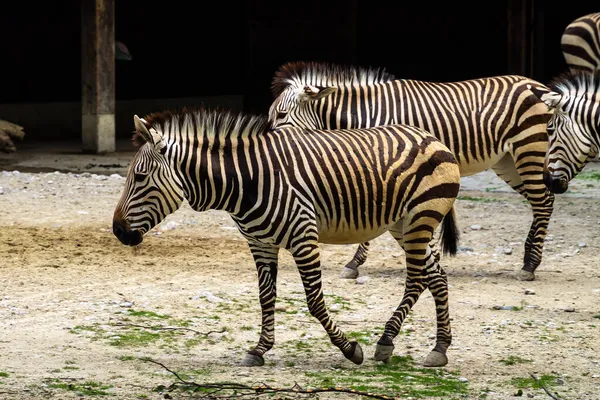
(573, 128)
(152, 189)
(297, 106)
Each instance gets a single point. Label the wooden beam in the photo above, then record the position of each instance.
(98, 75)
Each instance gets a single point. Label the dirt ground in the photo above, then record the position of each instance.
(77, 308)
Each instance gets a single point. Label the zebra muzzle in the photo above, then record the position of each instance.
(555, 183)
(126, 236)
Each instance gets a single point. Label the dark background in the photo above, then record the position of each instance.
(202, 48)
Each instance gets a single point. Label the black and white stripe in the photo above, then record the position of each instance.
(580, 43)
(293, 188)
(494, 122)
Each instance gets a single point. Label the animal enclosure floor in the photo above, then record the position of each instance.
(81, 314)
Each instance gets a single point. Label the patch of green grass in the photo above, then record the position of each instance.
(479, 199)
(3, 374)
(589, 175)
(89, 388)
(146, 314)
(247, 328)
(545, 380)
(512, 360)
(597, 316)
(289, 364)
(134, 338)
(398, 378)
(361, 337)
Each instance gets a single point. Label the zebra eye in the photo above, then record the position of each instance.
(139, 177)
(281, 114)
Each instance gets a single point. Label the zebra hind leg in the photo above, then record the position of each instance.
(350, 271)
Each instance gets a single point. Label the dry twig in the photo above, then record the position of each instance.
(535, 378)
(168, 328)
(241, 390)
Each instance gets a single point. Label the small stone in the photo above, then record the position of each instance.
(361, 280)
(530, 292)
(335, 307)
(462, 379)
(280, 307)
(582, 244)
(464, 249)
(126, 304)
(507, 251)
(569, 309)
(475, 227)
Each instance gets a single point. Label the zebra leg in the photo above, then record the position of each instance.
(350, 271)
(527, 180)
(422, 271)
(265, 257)
(308, 260)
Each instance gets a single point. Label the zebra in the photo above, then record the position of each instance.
(293, 188)
(580, 43)
(574, 129)
(494, 122)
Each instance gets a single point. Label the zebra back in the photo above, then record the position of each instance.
(580, 43)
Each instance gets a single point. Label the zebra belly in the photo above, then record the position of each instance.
(331, 235)
(475, 166)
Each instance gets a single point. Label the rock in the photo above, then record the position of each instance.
(335, 307)
(582, 244)
(361, 280)
(530, 292)
(463, 379)
(507, 250)
(475, 227)
(509, 308)
(464, 249)
(569, 309)
(126, 304)
(280, 307)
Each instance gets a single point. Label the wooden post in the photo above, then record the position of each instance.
(98, 75)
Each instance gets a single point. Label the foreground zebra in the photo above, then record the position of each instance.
(574, 129)
(293, 188)
(580, 43)
(493, 123)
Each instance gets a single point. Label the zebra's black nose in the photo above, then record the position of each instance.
(555, 184)
(126, 236)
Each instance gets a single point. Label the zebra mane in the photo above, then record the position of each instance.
(577, 83)
(325, 74)
(212, 121)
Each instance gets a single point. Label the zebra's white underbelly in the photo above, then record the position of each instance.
(473, 167)
(330, 235)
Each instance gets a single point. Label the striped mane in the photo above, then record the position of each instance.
(324, 74)
(577, 83)
(211, 121)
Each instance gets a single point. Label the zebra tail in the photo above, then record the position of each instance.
(450, 234)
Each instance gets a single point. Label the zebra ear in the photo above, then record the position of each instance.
(313, 93)
(550, 98)
(149, 134)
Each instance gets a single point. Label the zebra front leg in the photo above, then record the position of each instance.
(350, 271)
(542, 211)
(307, 258)
(265, 257)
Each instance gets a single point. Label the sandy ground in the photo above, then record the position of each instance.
(76, 306)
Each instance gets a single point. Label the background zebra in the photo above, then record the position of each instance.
(580, 43)
(574, 129)
(293, 188)
(493, 123)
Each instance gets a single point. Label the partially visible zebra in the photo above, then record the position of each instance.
(293, 188)
(492, 122)
(580, 43)
(574, 129)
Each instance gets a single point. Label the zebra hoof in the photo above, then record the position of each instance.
(349, 273)
(435, 359)
(523, 275)
(253, 360)
(384, 353)
(355, 354)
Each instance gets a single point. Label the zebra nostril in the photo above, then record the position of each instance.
(118, 229)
